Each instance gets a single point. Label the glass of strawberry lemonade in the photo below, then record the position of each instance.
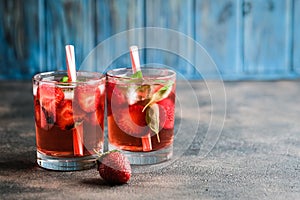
(140, 113)
(68, 119)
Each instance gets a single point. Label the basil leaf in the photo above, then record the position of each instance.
(137, 74)
(152, 119)
(64, 79)
(160, 94)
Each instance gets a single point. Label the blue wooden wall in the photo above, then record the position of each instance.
(247, 39)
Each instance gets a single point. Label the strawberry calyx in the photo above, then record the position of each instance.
(102, 155)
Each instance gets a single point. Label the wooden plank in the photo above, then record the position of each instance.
(116, 21)
(296, 38)
(177, 17)
(21, 54)
(218, 29)
(250, 38)
(267, 37)
(69, 22)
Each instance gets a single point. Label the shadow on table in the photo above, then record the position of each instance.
(95, 182)
(17, 165)
(18, 161)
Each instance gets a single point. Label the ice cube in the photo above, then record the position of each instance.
(68, 90)
(137, 93)
(69, 94)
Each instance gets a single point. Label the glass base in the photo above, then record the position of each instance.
(146, 158)
(65, 164)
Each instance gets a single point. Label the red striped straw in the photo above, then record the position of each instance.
(78, 139)
(71, 66)
(135, 65)
(78, 130)
(135, 60)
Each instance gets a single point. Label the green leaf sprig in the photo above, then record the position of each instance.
(138, 74)
(152, 113)
(152, 108)
(152, 119)
(64, 79)
(162, 93)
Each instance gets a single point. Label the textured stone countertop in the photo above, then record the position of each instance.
(240, 140)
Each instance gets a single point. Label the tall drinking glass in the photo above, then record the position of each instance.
(68, 119)
(140, 113)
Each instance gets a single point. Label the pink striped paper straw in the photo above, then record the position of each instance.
(71, 66)
(135, 65)
(135, 60)
(78, 130)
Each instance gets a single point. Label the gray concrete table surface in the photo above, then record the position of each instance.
(256, 154)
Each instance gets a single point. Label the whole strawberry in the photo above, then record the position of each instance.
(114, 167)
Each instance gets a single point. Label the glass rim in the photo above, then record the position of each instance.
(172, 73)
(38, 77)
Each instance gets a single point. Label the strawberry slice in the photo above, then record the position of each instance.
(132, 121)
(115, 96)
(67, 114)
(137, 115)
(37, 113)
(42, 118)
(49, 97)
(110, 89)
(166, 112)
(85, 95)
(100, 118)
(100, 98)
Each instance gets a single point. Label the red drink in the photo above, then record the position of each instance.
(68, 118)
(140, 120)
